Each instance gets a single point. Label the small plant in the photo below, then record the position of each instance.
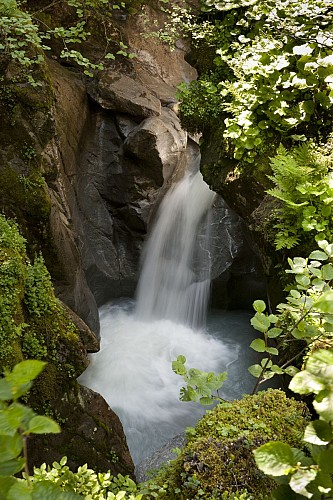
(303, 476)
(303, 179)
(17, 423)
(199, 384)
(86, 482)
(24, 37)
(39, 295)
(307, 314)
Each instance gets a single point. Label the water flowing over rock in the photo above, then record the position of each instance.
(175, 278)
(109, 150)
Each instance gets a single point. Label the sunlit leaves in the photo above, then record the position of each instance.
(200, 385)
(275, 458)
(307, 476)
(275, 71)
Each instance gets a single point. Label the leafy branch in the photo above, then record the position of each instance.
(306, 315)
(309, 477)
(200, 385)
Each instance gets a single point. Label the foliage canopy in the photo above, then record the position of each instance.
(270, 77)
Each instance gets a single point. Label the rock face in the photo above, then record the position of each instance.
(92, 434)
(96, 162)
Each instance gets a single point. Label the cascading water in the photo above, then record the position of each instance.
(133, 368)
(175, 279)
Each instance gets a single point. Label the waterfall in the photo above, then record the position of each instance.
(139, 341)
(175, 278)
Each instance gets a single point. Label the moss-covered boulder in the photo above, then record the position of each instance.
(217, 461)
(34, 324)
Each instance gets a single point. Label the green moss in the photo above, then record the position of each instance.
(12, 279)
(217, 461)
(25, 198)
(33, 323)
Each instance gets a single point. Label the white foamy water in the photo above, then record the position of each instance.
(133, 368)
(175, 279)
(133, 373)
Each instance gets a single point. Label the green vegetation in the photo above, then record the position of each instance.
(268, 75)
(33, 323)
(307, 477)
(199, 384)
(17, 423)
(26, 33)
(303, 179)
(217, 461)
(305, 319)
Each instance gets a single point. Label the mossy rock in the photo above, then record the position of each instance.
(33, 323)
(217, 462)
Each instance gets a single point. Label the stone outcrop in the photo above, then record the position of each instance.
(92, 434)
(123, 94)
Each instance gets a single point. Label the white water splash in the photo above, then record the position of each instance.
(133, 373)
(133, 368)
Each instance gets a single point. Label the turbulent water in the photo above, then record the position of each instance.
(140, 339)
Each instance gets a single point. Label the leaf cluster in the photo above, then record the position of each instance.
(17, 423)
(24, 37)
(307, 314)
(303, 179)
(272, 70)
(303, 476)
(200, 385)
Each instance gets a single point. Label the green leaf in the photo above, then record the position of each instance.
(26, 371)
(13, 417)
(325, 302)
(268, 374)
(327, 271)
(260, 322)
(10, 447)
(272, 350)
(274, 332)
(21, 490)
(300, 479)
(258, 345)
(178, 366)
(318, 432)
(259, 306)
(276, 369)
(42, 425)
(46, 490)
(206, 401)
(305, 383)
(318, 255)
(274, 458)
(5, 390)
(291, 371)
(323, 404)
(5, 484)
(11, 467)
(325, 460)
(320, 363)
(255, 370)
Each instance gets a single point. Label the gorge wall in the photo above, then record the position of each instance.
(84, 166)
